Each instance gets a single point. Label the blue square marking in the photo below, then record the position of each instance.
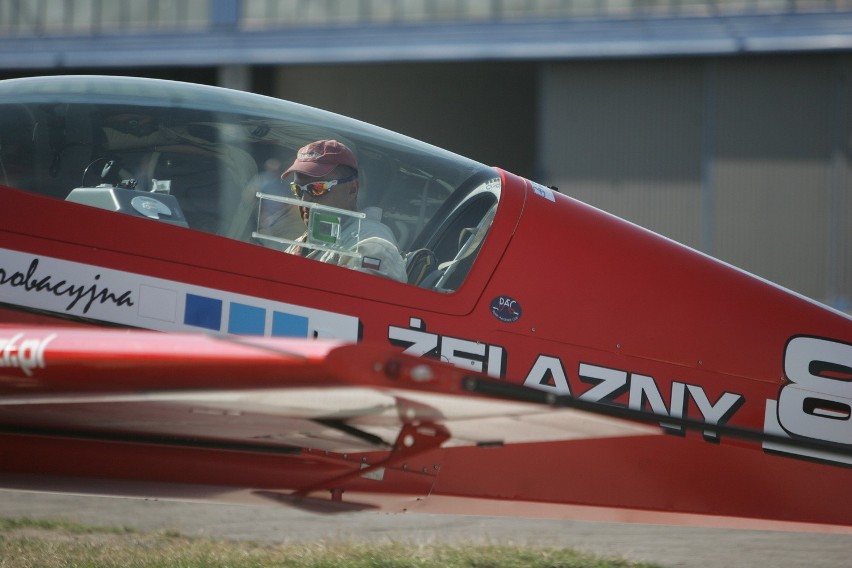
(201, 311)
(246, 320)
(289, 325)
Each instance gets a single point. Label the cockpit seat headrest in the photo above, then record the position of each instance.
(419, 264)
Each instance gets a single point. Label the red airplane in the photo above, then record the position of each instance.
(175, 313)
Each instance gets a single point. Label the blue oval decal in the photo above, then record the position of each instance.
(506, 309)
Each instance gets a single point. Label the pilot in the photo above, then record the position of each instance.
(326, 172)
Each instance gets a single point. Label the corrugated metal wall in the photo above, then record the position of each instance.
(485, 111)
(627, 137)
(745, 158)
(773, 167)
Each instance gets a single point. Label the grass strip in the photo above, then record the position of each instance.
(30, 543)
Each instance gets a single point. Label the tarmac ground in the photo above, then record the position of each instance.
(669, 546)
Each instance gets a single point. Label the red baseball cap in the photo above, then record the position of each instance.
(319, 158)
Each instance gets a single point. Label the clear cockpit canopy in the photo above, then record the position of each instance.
(210, 159)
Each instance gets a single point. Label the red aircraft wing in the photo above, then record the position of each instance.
(113, 403)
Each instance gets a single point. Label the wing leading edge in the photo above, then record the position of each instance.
(322, 394)
(301, 410)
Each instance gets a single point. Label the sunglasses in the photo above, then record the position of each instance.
(318, 188)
